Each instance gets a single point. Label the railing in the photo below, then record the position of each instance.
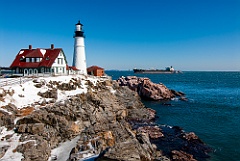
(21, 80)
(11, 81)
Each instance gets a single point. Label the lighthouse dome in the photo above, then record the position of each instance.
(79, 26)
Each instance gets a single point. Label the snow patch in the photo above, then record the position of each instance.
(63, 150)
(26, 94)
(4, 132)
(22, 51)
(4, 110)
(11, 143)
(43, 51)
(112, 90)
(1, 91)
(35, 142)
(16, 120)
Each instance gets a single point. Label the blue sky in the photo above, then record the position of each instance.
(126, 34)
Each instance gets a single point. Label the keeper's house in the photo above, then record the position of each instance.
(40, 61)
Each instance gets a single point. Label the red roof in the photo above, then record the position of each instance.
(48, 57)
(71, 68)
(94, 67)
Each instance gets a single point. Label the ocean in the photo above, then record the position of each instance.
(212, 112)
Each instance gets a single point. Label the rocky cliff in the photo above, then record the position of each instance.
(106, 121)
(149, 90)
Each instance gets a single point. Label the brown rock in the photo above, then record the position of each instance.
(154, 132)
(108, 138)
(50, 93)
(22, 128)
(145, 88)
(3, 150)
(181, 156)
(36, 149)
(190, 136)
(7, 120)
(100, 119)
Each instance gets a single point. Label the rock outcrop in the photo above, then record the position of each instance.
(110, 120)
(149, 90)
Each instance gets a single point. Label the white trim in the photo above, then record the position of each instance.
(25, 72)
(35, 71)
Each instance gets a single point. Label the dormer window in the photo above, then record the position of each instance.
(47, 58)
(22, 59)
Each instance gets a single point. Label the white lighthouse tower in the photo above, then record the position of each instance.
(79, 57)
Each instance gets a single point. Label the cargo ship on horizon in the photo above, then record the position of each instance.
(167, 70)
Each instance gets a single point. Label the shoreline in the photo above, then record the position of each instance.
(106, 118)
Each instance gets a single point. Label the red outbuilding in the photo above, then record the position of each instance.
(95, 70)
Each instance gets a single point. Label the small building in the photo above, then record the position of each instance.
(72, 70)
(95, 70)
(45, 61)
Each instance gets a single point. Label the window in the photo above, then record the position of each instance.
(60, 61)
(22, 59)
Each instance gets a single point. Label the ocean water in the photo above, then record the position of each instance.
(212, 112)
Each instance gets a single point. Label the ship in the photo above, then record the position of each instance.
(167, 70)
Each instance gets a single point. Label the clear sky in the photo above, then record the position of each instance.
(127, 34)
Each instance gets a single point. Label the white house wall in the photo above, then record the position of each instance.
(59, 66)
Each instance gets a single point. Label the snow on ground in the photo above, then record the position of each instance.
(24, 95)
(27, 94)
(10, 139)
(4, 110)
(13, 142)
(61, 153)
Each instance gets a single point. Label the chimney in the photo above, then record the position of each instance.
(30, 47)
(52, 46)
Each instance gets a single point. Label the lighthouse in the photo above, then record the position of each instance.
(79, 57)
